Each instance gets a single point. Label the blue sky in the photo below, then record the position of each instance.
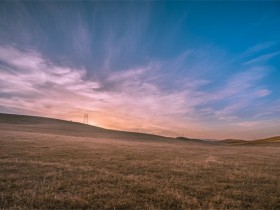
(198, 69)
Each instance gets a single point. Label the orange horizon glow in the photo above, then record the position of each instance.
(167, 68)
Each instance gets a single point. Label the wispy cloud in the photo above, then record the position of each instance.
(134, 66)
(239, 84)
(131, 99)
(30, 81)
(259, 47)
(262, 58)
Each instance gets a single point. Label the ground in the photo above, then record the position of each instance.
(44, 168)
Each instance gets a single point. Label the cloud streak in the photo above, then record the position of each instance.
(132, 99)
(30, 81)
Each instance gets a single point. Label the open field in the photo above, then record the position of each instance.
(47, 163)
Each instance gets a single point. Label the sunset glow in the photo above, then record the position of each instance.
(174, 69)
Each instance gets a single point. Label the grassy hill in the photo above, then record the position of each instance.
(45, 125)
(61, 127)
(275, 139)
(272, 140)
(54, 164)
(233, 141)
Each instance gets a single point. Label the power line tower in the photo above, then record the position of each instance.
(86, 119)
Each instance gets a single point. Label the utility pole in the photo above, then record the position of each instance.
(86, 119)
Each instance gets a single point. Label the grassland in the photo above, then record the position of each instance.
(52, 164)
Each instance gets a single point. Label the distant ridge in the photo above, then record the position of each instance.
(270, 140)
(233, 141)
(35, 124)
(46, 125)
(275, 139)
(182, 138)
(190, 139)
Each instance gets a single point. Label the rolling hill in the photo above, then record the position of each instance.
(34, 124)
(55, 164)
(270, 140)
(43, 125)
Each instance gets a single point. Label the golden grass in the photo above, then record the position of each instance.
(41, 170)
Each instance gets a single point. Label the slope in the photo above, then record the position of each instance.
(34, 124)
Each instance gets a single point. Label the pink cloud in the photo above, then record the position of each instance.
(126, 100)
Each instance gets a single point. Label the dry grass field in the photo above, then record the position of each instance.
(52, 164)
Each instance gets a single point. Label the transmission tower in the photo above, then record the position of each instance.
(86, 119)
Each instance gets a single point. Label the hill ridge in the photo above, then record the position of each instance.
(64, 127)
(39, 124)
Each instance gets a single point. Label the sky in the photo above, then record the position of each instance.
(200, 69)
